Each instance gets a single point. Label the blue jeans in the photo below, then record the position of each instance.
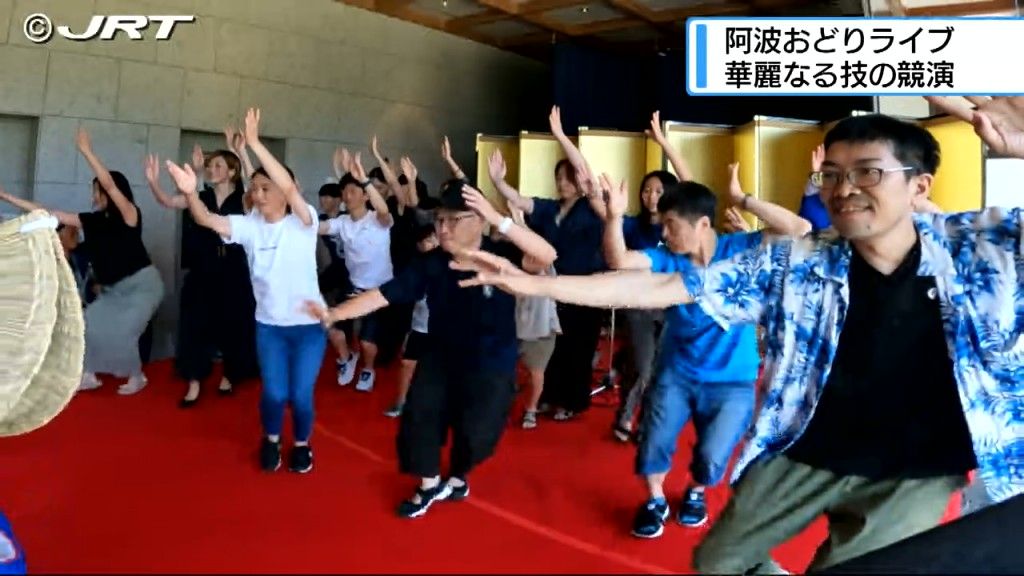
(721, 414)
(290, 358)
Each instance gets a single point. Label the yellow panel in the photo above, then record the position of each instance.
(747, 153)
(708, 150)
(655, 156)
(538, 155)
(621, 155)
(485, 146)
(785, 152)
(958, 183)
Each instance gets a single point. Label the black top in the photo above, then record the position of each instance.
(202, 248)
(577, 238)
(403, 235)
(471, 329)
(115, 249)
(891, 406)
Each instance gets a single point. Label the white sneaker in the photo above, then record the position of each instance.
(366, 378)
(347, 369)
(89, 382)
(132, 386)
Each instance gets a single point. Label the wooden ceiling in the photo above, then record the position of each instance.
(529, 27)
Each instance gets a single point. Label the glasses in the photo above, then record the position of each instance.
(861, 177)
(450, 221)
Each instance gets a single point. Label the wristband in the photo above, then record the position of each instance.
(505, 225)
(364, 185)
(744, 203)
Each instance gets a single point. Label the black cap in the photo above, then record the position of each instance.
(451, 196)
(330, 189)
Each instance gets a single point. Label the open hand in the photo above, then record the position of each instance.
(492, 270)
(496, 166)
(817, 157)
(479, 203)
(252, 125)
(736, 194)
(184, 177)
(152, 168)
(617, 196)
(999, 121)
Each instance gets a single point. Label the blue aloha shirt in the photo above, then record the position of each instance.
(798, 290)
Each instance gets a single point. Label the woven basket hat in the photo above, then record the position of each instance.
(42, 328)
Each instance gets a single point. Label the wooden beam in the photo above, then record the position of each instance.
(965, 8)
(466, 22)
(605, 26)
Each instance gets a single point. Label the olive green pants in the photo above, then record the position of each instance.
(778, 498)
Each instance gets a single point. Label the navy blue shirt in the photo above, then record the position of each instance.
(470, 329)
(639, 236)
(578, 238)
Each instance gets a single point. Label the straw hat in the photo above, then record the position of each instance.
(42, 329)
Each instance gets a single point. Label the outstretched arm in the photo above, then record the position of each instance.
(128, 211)
(358, 307)
(66, 218)
(623, 289)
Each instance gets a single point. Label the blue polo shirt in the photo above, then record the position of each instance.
(695, 345)
(814, 211)
(577, 238)
(12, 557)
(638, 236)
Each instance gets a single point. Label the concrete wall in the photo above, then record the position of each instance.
(323, 73)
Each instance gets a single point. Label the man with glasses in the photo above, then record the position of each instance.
(893, 348)
(465, 379)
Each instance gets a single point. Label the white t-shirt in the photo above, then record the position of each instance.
(367, 246)
(282, 265)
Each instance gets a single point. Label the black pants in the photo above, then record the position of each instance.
(570, 374)
(218, 312)
(474, 406)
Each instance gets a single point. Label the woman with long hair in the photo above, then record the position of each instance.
(130, 287)
(217, 304)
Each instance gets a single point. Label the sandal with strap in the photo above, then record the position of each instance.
(529, 419)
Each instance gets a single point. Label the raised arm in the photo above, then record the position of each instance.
(236, 143)
(128, 211)
(525, 239)
(674, 156)
(621, 289)
(497, 170)
(389, 175)
(411, 197)
(66, 218)
(584, 174)
(274, 169)
(380, 207)
(776, 218)
(177, 202)
(615, 252)
(446, 154)
(185, 179)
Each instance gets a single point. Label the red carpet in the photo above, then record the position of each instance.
(123, 484)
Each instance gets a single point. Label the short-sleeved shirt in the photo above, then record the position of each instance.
(577, 237)
(367, 246)
(471, 329)
(695, 345)
(638, 235)
(115, 249)
(282, 265)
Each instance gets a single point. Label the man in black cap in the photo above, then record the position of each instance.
(465, 381)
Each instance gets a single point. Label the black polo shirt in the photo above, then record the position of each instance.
(891, 406)
(471, 329)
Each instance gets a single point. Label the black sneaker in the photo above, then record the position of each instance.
(693, 512)
(301, 459)
(270, 455)
(649, 521)
(459, 492)
(409, 509)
